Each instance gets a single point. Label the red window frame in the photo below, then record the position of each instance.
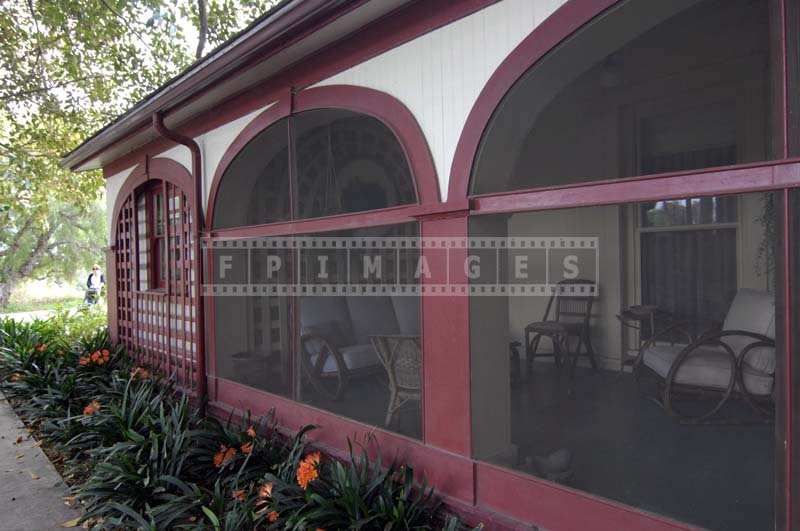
(156, 217)
(532, 499)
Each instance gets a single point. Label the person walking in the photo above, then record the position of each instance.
(94, 285)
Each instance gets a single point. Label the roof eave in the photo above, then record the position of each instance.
(293, 17)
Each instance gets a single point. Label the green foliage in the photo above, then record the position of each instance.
(150, 462)
(359, 493)
(68, 67)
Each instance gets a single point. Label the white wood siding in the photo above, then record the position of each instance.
(439, 75)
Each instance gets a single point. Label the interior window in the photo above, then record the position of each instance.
(643, 89)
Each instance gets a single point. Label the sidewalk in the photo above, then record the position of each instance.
(31, 491)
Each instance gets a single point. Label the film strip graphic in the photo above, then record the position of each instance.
(401, 266)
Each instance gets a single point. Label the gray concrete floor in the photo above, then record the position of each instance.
(31, 491)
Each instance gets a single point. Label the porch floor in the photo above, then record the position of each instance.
(626, 448)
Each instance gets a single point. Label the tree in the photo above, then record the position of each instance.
(67, 67)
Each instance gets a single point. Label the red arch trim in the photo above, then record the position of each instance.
(275, 112)
(157, 168)
(561, 24)
(380, 105)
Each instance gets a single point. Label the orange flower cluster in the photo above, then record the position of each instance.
(224, 455)
(308, 469)
(272, 516)
(92, 408)
(98, 357)
(16, 377)
(239, 495)
(247, 447)
(141, 373)
(41, 347)
(265, 491)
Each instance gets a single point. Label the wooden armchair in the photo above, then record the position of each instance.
(737, 359)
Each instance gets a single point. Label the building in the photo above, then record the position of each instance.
(656, 142)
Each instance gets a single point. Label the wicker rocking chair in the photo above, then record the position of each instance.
(402, 358)
(737, 360)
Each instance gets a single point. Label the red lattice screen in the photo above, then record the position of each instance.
(158, 326)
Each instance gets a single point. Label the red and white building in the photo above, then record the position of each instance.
(666, 132)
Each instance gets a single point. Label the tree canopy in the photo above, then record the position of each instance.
(67, 67)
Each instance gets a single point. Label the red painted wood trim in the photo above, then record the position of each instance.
(379, 105)
(452, 474)
(394, 29)
(561, 24)
(713, 181)
(446, 360)
(111, 292)
(394, 115)
(277, 111)
(156, 168)
(553, 506)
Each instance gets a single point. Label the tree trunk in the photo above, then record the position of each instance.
(5, 294)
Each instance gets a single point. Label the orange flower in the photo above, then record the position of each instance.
(251, 432)
(224, 455)
(307, 471)
(92, 408)
(239, 495)
(140, 372)
(15, 377)
(265, 491)
(41, 347)
(105, 353)
(247, 448)
(272, 516)
(95, 356)
(83, 361)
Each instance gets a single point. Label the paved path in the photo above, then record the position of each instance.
(31, 491)
(29, 316)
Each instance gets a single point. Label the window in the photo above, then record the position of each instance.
(342, 162)
(602, 430)
(643, 89)
(152, 237)
(307, 316)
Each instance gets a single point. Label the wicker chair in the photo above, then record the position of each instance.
(571, 304)
(402, 358)
(734, 360)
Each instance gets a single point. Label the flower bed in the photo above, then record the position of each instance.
(138, 456)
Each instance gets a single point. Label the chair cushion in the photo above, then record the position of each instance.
(406, 308)
(355, 357)
(371, 316)
(316, 311)
(706, 367)
(752, 311)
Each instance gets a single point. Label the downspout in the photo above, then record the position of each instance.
(197, 176)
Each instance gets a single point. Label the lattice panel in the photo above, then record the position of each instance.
(158, 326)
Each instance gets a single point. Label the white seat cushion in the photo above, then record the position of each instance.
(355, 357)
(706, 367)
(752, 311)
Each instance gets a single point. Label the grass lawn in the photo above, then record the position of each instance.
(60, 303)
